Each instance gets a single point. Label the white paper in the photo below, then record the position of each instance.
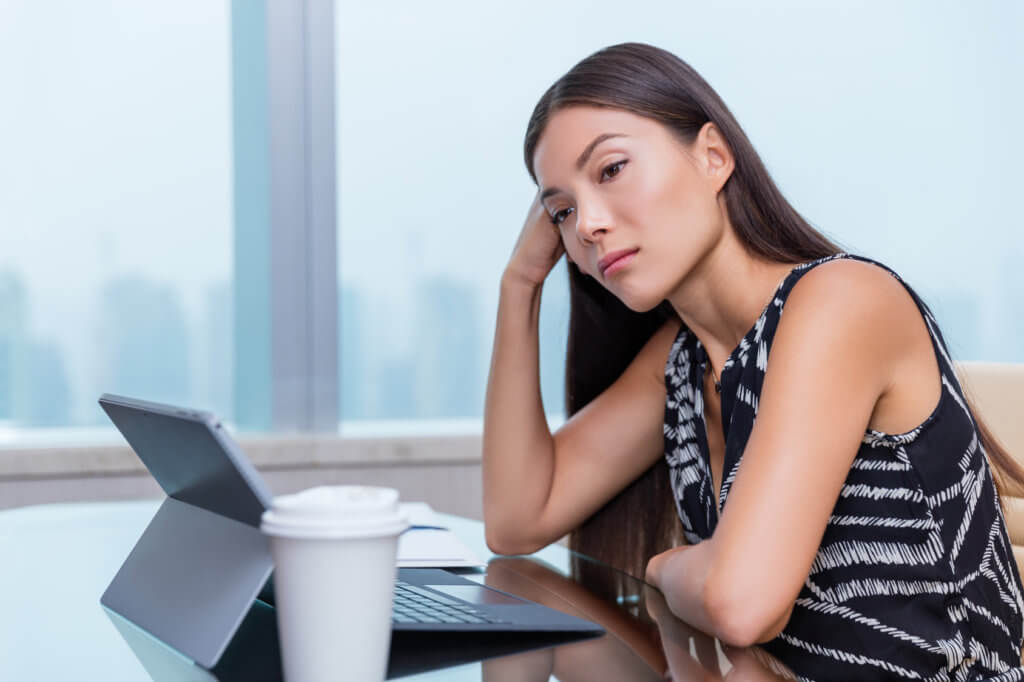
(419, 513)
(431, 548)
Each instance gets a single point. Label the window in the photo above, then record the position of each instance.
(892, 128)
(115, 226)
(133, 186)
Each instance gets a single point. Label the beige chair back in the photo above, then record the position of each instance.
(996, 390)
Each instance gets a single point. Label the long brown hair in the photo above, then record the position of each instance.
(605, 335)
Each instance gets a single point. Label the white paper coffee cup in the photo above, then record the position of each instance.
(334, 550)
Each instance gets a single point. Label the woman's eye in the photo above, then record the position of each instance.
(612, 170)
(557, 218)
(609, 171)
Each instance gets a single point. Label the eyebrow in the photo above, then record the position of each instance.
(584, 157)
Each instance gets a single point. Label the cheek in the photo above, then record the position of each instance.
(654, 199)
(575, 254)
(674, 196)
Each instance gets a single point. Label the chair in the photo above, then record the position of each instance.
(996, 391)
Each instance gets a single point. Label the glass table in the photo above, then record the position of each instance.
(58, 559)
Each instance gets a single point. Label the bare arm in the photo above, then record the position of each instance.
(846, 328)
(539, 486)
(518, 449)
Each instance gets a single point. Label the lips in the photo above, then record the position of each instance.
(608, 261)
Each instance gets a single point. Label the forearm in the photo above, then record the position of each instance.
(690, 578)
(518, 449)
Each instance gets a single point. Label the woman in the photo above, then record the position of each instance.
(863, 536)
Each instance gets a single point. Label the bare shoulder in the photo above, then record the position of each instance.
(858, 314)
(858, 297)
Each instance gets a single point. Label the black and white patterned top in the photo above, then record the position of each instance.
(915, 577)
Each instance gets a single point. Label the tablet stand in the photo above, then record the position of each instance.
(191, 579)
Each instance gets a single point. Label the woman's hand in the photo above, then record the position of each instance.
(652, 575)
(538, 248)
(655, 565)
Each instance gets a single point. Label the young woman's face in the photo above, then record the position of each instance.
(636, 207)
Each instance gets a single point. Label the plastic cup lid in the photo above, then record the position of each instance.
(335, 512)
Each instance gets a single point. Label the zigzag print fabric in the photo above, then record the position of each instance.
(915, 577)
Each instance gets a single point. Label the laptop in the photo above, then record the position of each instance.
(202, 561)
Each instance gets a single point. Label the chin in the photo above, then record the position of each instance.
(640, 292)
(640, 303)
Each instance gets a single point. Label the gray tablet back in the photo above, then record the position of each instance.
(194, 573)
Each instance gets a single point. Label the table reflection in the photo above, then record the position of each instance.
(643, 640)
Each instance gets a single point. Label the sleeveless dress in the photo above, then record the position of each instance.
(915, 577)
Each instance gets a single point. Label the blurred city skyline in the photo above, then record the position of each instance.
(156, 356)
(163, 356)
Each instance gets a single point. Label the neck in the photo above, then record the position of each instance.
(722, 297)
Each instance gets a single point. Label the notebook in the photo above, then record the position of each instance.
(430, 544)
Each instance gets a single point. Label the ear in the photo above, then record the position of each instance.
(716, 159)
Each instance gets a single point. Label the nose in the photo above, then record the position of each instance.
(590, 225)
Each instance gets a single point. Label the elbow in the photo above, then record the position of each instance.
(742, 619)
(496, 541)
(500, 541)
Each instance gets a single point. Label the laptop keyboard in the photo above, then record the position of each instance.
(415, 605)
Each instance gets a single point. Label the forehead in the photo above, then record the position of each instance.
(571, 129)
